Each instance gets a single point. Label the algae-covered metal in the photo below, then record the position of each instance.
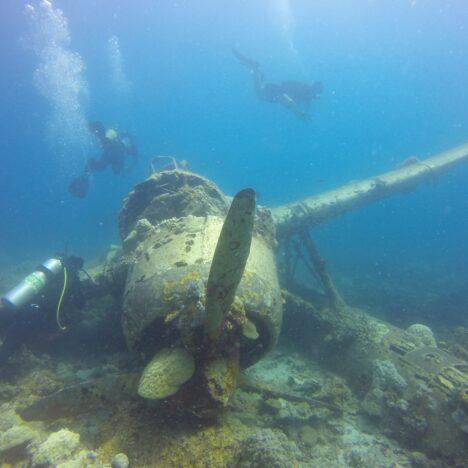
(170, 253)
(170, 226)
(414, 391)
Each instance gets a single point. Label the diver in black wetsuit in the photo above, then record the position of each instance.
(294, 95)
(36, 323)
(115, 149)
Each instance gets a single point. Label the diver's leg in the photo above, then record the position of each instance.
(96, 165)
(259, 83)
(252, 64)
(117, 166)
(79, 186)
(254, 67)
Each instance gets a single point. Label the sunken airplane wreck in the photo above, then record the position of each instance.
(201, 300)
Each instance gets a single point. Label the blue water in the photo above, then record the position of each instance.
(395, 85)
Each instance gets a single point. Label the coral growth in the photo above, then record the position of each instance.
(58, 447)
(268, 448)
(420, 335)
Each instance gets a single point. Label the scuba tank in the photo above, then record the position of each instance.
(30, 286)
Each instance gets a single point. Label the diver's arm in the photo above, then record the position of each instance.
(131, 150)
(101, 139)
(292, 105)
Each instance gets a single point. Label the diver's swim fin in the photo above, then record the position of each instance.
(252, 64)
(79, 186)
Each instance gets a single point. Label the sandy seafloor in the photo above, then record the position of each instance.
(257, 430)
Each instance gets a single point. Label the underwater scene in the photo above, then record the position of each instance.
(234, 233)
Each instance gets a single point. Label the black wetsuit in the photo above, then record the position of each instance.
(36, 323)
(294, 95)
(114, 153)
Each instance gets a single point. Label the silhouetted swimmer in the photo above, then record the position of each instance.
(116, 149)
(294, 95)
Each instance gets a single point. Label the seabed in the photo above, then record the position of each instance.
(256, 430)
(299, 415)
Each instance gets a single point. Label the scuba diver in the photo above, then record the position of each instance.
(115, 149)
(31, 312)
(294, 95)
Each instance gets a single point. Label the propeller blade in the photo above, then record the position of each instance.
(230, 257)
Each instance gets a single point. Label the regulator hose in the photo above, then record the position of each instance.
(62, 294)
